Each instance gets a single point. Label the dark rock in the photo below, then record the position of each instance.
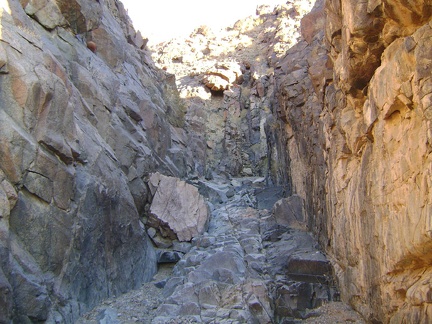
(310, 266)
(168, 256)
(290, 212)
(183, 247)
(161, 284)
(267, 197)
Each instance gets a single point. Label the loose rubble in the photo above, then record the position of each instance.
(247, 268)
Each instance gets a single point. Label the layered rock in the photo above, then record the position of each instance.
(247, 268)
(356, 104)
(339, 116)
(80, 130)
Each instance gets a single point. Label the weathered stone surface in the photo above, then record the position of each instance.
(339, 115)
(79, 133)
(222, 76)
(232, 274)
(6, 300)
(232, 129)
(361, 176)
(177, 211)
(168, 256)
(290, 212)
(228, 275)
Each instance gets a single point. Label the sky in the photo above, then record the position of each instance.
(162, 20)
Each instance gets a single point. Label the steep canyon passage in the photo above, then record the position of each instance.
(276, 171)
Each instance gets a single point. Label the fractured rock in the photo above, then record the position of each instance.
(177, 211)
(290, 212)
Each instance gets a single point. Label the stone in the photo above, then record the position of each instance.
(177, 208)
(108, 316)
(311, 266)
(69, 149)
(320, 109)
(6, 305)
(267, 197)
(290, 212)
(92, 46)
(222, 76)
(168, 256)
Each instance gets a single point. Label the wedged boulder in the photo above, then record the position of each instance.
(309, 266)
(177, 211)
(222, 76)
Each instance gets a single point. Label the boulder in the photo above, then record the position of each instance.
(178, 210)
(5, 299)
(290, 212)
(222, 76)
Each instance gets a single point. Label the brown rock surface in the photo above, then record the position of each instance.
(359, 149)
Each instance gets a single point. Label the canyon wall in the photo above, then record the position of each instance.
(84, 118)
(335, 109)
(356, 97)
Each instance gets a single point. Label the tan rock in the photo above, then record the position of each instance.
(362, 143)
(222, 76)
(47, 12)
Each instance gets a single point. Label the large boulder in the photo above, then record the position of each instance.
(178, 210)
(79, 131)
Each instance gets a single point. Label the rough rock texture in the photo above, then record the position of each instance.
(335, 110)
(177, 211)
(79, 132)
(356, 102)
(245, 269)
(227, 81)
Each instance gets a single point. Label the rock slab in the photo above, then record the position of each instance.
(178, 210)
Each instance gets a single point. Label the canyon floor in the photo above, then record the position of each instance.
(246, 268)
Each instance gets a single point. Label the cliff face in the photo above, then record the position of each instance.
(80, 129)
(356, 100)
(226, 79)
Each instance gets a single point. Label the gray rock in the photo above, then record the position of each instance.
(290, 212)
(183, 247)
(177, 209)
(268, 196)
(6, 300)
(168, 256)
(108, 316)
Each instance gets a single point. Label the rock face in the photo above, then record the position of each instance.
(80, 130)
(227, 81)
(356, 102)
(177, 210)
(247, 269)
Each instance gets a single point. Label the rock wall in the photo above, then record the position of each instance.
(227, 81)
(356, 101)
(339, 115)
(81, 126)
